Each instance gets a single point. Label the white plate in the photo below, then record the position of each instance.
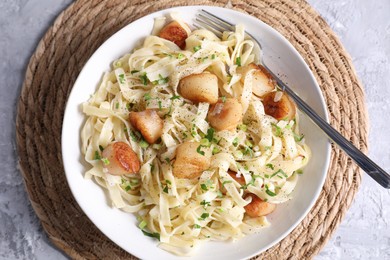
(121, 227)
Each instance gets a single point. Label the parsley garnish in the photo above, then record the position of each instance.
(134, 71)
(238, 61)
(270, 165)
(101, 148)
(279, 171)
(105, 161)
(205, 203)
(210, 134)
(144, 79)
(197, 226)
(213, 56)
(97, 156)
(197, 48)
(121, 78)
(175, 97)
(235, 142)
(147, 96)
(223, 98)
(278, 131)
(161, 80)
(200, 151)
(204, 216)
(297, 137)
(154, 235)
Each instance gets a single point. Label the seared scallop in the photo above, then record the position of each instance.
(279, 105)
(120, 159)
(226, 114)
(191, 160)
(175, 33)
(263, 82)
(258, 207)
(148, 123)
(201, 87)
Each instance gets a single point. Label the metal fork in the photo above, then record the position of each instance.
(218, 25)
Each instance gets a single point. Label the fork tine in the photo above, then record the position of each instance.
(208, 20)
(216, 19)
(208, 26)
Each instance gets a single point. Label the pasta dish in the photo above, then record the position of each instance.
(190, 133)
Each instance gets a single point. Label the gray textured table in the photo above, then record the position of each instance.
(364, 29)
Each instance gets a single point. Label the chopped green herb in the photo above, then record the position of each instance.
(278, 130)
(197, 48)
(266, 176)
(151, 167)
(267, 148)
(121, 78)
(212, 56)
(243, 127)
(143, 144)
(143, 224)
(97, 156)
(248, 143)
(147, 96)
(210, 134)
(101, 148)
(204, 216)
(133, 137)
(175, 97)
(279, 171)
(168, 182)
(238, 61)
(161, 80)
(200, 151)
(205, 142)
(193, 131)
(229, 79)
(167, 160)
(127, 188)
(144, 78)
(204, 187)
(216, 150)
(165, 189)
(197, 226)
(235, 142)
(134, 71)
(223, 98)
(299, 171)
(270, 165)
(117, 105)
(159, 105)
(154, 235)
(297, 137)
(180, 55)
(105, 161)
(272, 194)
(205, 203)
(226, 182)
(219, 194)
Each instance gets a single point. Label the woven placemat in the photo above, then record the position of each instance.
(85, 25)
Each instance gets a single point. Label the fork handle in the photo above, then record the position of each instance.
(370, 167)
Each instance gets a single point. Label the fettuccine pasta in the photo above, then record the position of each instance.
(187, 140)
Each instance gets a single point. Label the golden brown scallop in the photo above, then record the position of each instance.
(201, 87)
(279, 105)
(175, 33)
(120, 159)
(258, 207)
(263, 82)
(190, 163)
(226, 114)
(148, 123)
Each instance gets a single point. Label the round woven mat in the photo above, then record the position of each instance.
(85, 25)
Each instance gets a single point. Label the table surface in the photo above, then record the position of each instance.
(364, 29)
